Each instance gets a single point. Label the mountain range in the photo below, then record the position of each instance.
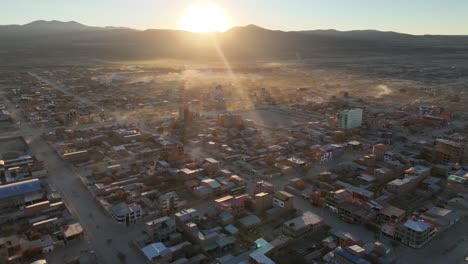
(55, 38)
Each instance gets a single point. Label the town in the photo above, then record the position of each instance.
(277, 164)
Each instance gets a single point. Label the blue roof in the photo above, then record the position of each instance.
(418, 226)
(351, 257)
(19, 188)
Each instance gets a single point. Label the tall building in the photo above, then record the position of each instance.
(448, 150)
(415, 233)
(169, 201)
(350, 118)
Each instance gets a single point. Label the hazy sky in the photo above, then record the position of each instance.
(409, 16)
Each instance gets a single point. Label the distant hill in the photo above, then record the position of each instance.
(42, 27)
(55, 38)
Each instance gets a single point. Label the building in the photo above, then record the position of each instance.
(157, 253)
(443, 218)
(413, 176)
(405, 185)
(350, 118)
(262, 201)
(186, 216)
(379, 151)
(231, 204)
(212, 184)
(357, 211)
(19, 193)
(346, 256)
(126, 213)
(383, 174)
(160, 229)
(448, 150)
(283, 200)
(458, 182)
(389, 213)
(308, 221)
(336, 198)
(211, 165)
(73, 231)
(258, 256)
(168, 201)
(263, 186)
(415, 232)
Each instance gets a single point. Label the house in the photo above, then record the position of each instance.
(415, 232)
(72, 231)
(168, 201)
(405, 185)
(186, 216)
(211, 165)
(262, 201)
(308, 221)
(283, 200)
(161, 228)
(258, 256)
(390, 213)
(443, 218)
(157, 253)
(212, 184)
(231, 204)
(127, 213)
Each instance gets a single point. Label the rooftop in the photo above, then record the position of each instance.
(19, 188)
(393, 211)
(155, 250)
(306, 219)
(123, 209)
(283, 196)
(418, 226)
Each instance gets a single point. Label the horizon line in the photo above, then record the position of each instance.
(234, 26)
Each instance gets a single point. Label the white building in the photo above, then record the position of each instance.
(350, 118)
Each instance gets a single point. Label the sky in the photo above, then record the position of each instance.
(447, 17)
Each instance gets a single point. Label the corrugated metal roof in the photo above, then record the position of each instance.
(19, 188)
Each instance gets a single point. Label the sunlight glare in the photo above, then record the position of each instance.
(205, 17)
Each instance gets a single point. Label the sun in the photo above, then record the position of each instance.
(205, 17)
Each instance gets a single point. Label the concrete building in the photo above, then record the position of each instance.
(127, 213)
(443, 218)
(231, 204)
(168, 201)
(262, 201)
(449, 151)
(160, 229)
(415, 232)
(458, 182)
(390, 213)
(186, 216)
(379, 151)
(405, 185)
(308, 221)
(264, 186)
(283, 200)
(350, 118)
